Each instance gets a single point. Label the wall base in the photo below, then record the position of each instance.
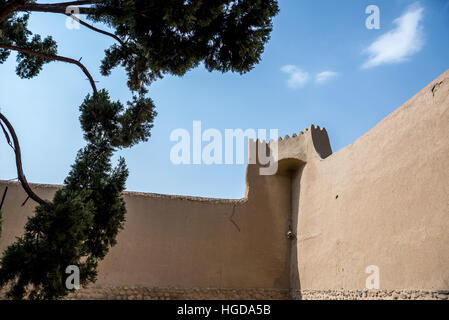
(370, 295)
(156, 293)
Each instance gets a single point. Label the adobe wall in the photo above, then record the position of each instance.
(188, 245)
(383, 201)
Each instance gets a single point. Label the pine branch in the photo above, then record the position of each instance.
(56, 7)
(56, 58)
(96, 29)
(18, 154)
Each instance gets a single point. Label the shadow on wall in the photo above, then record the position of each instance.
(292, 168)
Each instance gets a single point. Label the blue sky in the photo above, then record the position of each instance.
(321, 66)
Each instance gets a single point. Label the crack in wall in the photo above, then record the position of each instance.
(231, 218)
(436, 87)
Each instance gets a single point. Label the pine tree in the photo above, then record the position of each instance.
(153, 38)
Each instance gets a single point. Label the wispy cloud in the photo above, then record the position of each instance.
(325, 76)
(297, 78)
(399, 44)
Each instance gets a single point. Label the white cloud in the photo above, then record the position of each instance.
(298, 78)
(400, 43)
(325, 76)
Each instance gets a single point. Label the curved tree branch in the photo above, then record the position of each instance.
(72, 3)
(20, 5)
(23, 5)
(5, 132)
(12, 134)
(56, 58)
(20, 174)
(96, 29)
(56, 7)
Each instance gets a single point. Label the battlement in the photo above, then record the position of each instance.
(311, 144)
(314, 139)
